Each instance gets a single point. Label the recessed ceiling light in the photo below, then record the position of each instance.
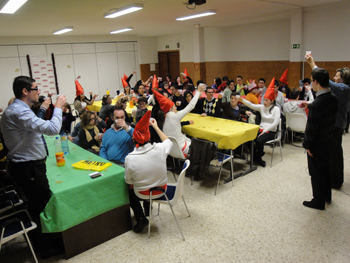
(121, 30)
(123, 10)
(63, 30)
(207, 13)
(11, 6)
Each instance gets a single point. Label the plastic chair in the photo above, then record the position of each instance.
(8, 200)
(170, 197)
(16, 224)
(295, 122)
(176, 152)
(222, 159)
(75, 113)
(277, 139)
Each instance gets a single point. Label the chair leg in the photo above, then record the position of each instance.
(232, 156)
(292, 138)
(172, 211)
(273, 149)
(183, 199)
(2, 234)
(28, 241)
(217, 185)
(281, 152)
(150, 214)
(174, 162)
(179, 162)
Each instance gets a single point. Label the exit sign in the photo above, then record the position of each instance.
(295, 46)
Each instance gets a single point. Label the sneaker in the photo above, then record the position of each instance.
(140, 225)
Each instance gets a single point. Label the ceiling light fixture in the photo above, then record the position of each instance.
(123, 10)
(11, 6)
(121, 30)
(63, 30)
(207, 13)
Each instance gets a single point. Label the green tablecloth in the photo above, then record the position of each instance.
(75, 196)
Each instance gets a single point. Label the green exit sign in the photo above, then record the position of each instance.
(295, 46)
(167, 46)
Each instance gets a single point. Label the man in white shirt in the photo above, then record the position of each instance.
(146, 168)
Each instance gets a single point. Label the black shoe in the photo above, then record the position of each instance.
(261, 162)
(53, 251)
(140, 225)
(311, 204)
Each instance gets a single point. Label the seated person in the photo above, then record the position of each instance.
(223, 85)
(282, 84)
(175, 94)
(106, 108)
(80, 101)
(141, 92)
(231, 110)
(217, 83)
(253, 93)
(208, 106)
(122, 103)
(228, 91)
(171, 121)
(146, 168)
(90, 135)
(67, 118)
(117, 141)
(141, 109)
(240, 87)
(186, 99)
(279, 98)
(294, 106)
(270, 117)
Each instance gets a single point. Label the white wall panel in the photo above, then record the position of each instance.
(137, 76)
(8, 51)
(106, 47)
(32, 50)
(83, 48)
(59, 49)
(24, 66)
(125, 46)
(65, 76)
(126, 64)
(9, 69)
(108, 73)
(86, 67)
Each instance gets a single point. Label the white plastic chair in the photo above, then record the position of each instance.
(277, 139)
(171, 196)
(295, 122)
(75, 113)
(16, 224)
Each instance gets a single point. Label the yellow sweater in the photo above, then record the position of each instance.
(253, 98)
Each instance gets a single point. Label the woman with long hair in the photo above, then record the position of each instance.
(270, 118)
(90, 134)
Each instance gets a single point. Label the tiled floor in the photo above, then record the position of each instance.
(260, 219)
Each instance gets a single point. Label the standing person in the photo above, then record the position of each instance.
(340, 88)
(270, 117)
(151, 173)
(23, 134)
(318, 139)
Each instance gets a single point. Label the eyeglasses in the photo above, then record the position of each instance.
(36, 89)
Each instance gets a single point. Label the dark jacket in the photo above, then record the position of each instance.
(215, 112)
(228, 112)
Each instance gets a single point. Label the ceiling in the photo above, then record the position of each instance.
(42, 17)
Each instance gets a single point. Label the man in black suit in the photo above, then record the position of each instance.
(318, 138)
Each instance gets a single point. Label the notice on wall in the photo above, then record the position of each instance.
(42, 69)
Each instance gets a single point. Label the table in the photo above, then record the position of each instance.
(98, 104)
(228, 134)
(86, 211)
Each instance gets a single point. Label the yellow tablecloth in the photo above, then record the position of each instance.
(226, 133)
(98, 104)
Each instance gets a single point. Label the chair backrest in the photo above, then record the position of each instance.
(180, 183)
(75, 113)
(176, 150)
(296, 121)
(278, 134)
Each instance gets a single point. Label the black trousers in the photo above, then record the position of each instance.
(136, 205)
(259, 144)
(31, 177)
(336, 158)
(320, 176)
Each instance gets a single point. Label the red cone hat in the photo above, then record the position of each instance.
(125, 77)
(141, 132)
(164, 103)
(186, 73)
(284, 76)
(155, 83)
(124, 83)
(79, 89)
(270, 92)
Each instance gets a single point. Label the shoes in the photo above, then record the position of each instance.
(140, 225)
(261, 162)
(311, 204)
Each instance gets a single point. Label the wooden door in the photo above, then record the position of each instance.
(169, 63)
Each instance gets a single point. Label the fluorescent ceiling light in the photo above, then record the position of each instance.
(123, 10)
(121, 30)
(12, 6)
(207, 13)
(63, 30)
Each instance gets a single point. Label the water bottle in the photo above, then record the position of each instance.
(64, 143)
(59, 153)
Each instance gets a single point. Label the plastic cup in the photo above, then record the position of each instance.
(131, 104)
